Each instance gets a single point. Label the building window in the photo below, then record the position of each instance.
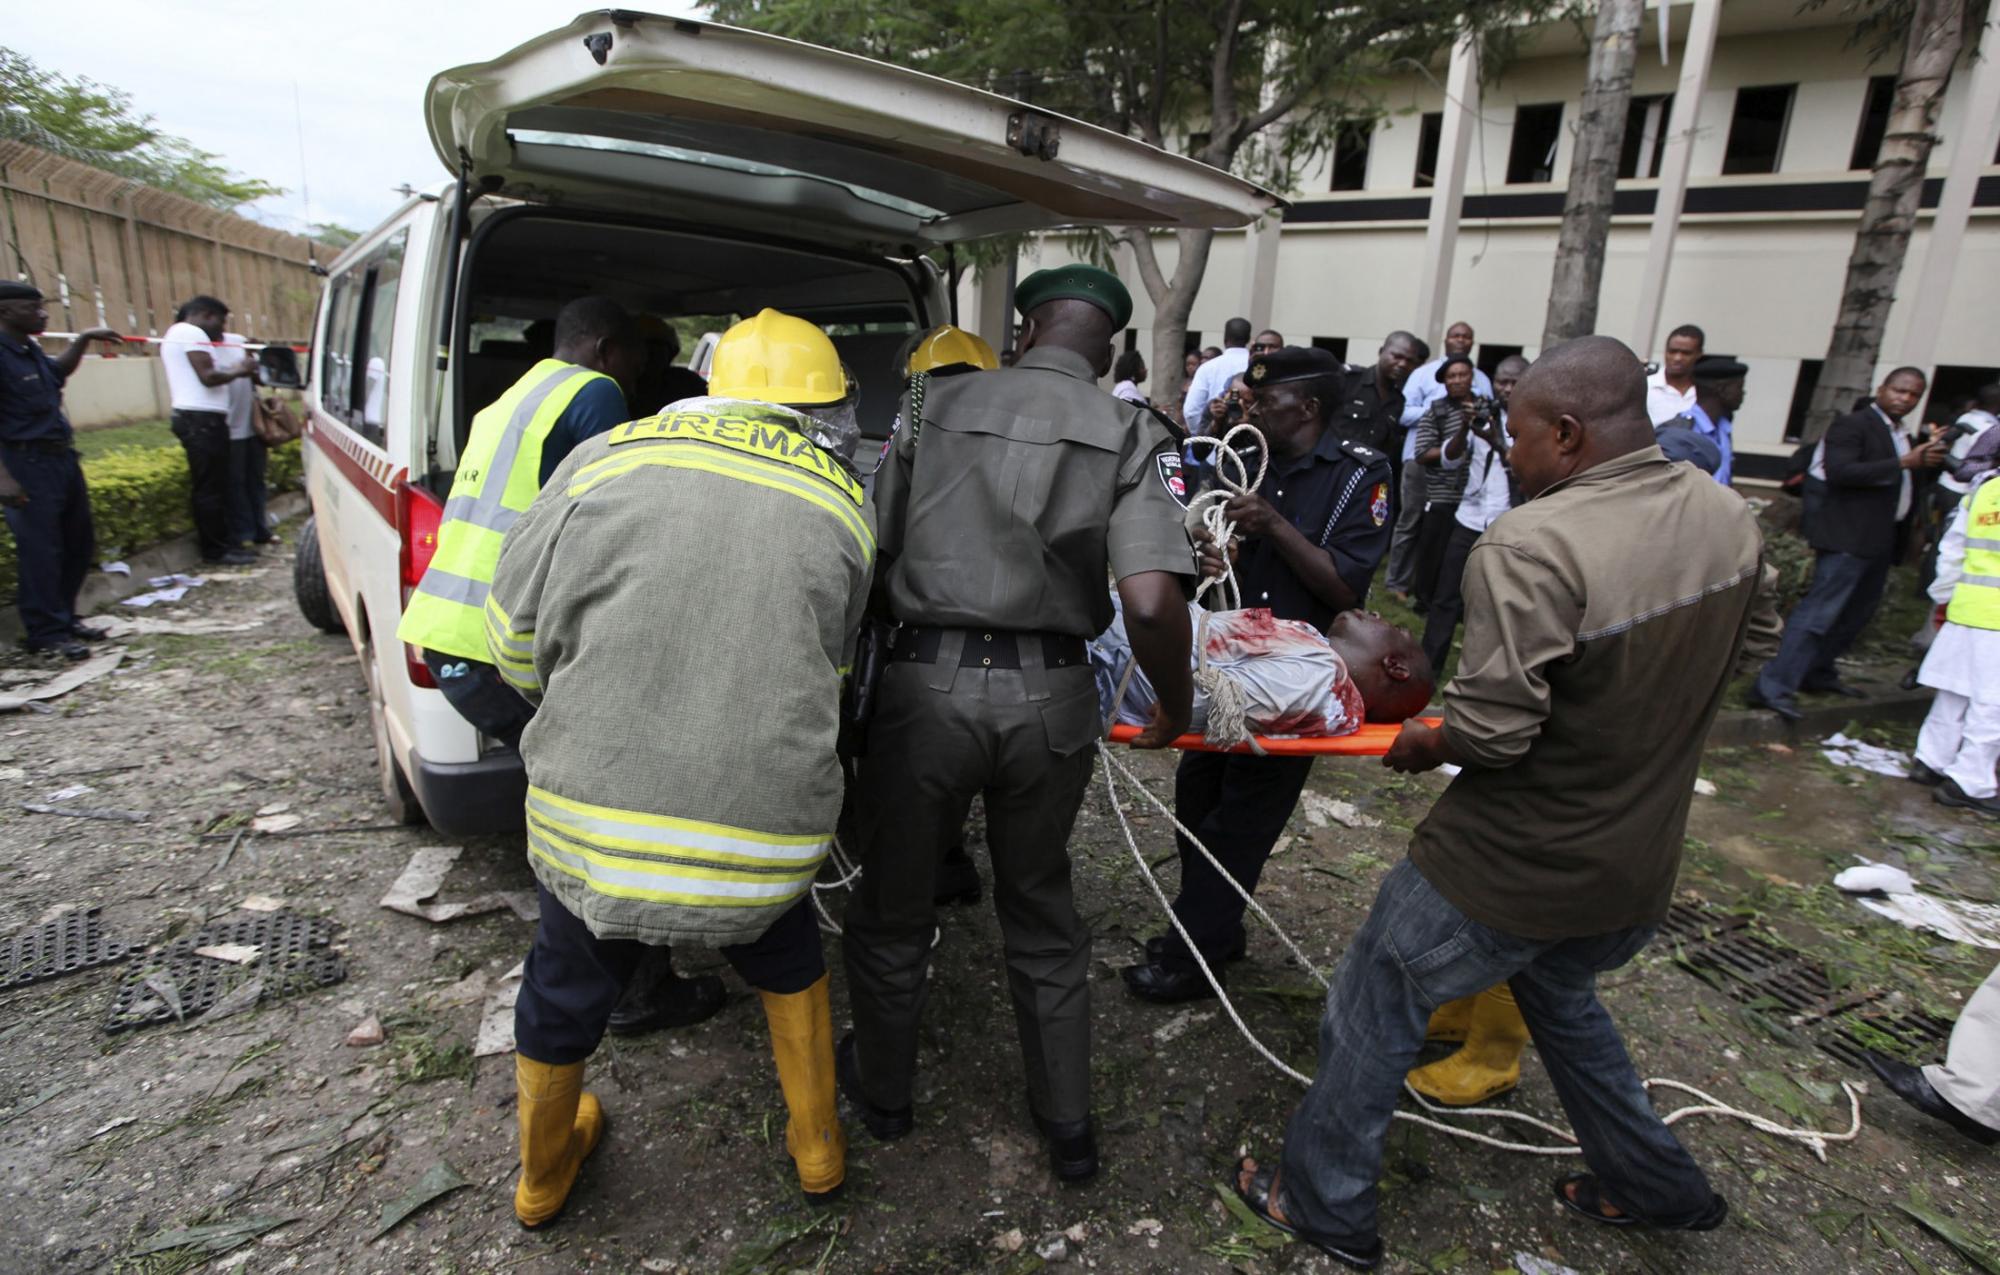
(1757, 129)
(1491, 356)
(1951, 389)
(1645, 136)
(1874, 121)
(1350, 154)
(1802, 392)
(1429, 130)
(1334, 345)
(1537, 131)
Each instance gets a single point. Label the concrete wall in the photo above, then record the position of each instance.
(115, 391)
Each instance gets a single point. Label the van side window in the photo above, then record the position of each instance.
(337, 354)
(376, 327)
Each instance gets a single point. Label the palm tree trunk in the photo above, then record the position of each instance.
(1593, 173)
(1937, 31)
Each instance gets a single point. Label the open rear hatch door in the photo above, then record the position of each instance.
(695, 121)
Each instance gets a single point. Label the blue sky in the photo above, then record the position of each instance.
(223, 75)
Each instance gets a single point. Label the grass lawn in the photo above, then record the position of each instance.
(98, 440)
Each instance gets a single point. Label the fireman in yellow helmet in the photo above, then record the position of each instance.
(948, 347)
(709, 828)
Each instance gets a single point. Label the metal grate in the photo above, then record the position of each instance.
(1917, 1036)
(293, 957)
(73, 941)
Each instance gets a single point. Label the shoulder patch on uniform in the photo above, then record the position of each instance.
(1361, 451)
(1378, 503)
(1172, 477)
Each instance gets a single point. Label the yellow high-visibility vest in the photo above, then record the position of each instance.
(1976, 601)
(499, 474)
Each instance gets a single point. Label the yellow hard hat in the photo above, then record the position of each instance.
(945, 345)
(776, 358)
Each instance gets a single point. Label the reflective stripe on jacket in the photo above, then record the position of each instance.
(499, 472)
(681, 602)
(1975, 603)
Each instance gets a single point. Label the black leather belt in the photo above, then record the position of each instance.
(990, 648)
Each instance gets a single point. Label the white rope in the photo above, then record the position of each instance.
(1815, 1140)
(1209, 506)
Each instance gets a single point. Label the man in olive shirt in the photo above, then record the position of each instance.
(1602, 620)
(999, 510)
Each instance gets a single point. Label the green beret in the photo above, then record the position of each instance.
(1292, 363)
(1077, 283)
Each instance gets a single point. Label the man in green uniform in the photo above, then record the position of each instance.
(998, 513)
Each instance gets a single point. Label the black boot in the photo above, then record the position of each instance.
(658, 998)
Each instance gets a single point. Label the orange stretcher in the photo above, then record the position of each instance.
(1372, 740)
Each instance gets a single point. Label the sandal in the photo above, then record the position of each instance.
(1589, 1202)
(1257, 1198)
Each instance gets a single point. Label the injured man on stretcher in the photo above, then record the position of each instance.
(1287, 678)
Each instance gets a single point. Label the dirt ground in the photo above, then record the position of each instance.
(262, 1142)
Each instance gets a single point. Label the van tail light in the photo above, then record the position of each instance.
(418, 515)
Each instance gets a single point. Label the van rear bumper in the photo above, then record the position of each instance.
(473, 798)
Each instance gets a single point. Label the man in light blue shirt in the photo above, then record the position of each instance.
(1718, 396)
(1420, 390)
(1212, 377)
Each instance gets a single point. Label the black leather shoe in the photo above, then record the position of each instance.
(1072, 1147)
(88, 632)
(63, 648)
(1156, 949)
(886, 1124)
(1948, 793)
(1784, 706)
(1909, 1084)
(957, 880)
(1836, 687)
(1166, 984)
(1922, 774)
(658, 998)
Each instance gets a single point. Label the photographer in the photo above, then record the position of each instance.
(1445, 424)
(1957, 439)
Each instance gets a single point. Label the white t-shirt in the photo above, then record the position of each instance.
(1663, 401)
(184, 388)
(1210, 380)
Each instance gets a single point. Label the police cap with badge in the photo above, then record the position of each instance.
(1298, 363)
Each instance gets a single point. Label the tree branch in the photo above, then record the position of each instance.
(1223, 112)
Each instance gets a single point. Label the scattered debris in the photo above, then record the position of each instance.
(244, 997)
(438, 1181)
(1703, 787)
(170, 994)
(1319, 809)
(1869, 877)
(466, 991)
(1053, 1249)
(261, 903)
(496, 1021)
(177, 580)
(84, 812)
(1010, 1242)
(125, 626)
(115, 568)
(1176, 1027)
(63, 683)
(1078, 1233)
(1891, 892)
(275, 808)
(174, 594)
(70, 793)
(212, 1240)
(1843, 751)
(423, 876)
(1529, 1264)
(118, 1123)
(234, 953)
(1145, 1226)
(275, 823)
(72, 941)
(366, 1034)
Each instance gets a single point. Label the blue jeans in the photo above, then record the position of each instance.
(1842, 599)
(1415, 952)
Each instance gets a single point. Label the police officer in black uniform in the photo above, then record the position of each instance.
(41, 478)
(1312, 536)
(1373, 415)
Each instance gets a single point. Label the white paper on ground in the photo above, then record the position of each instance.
(496, 1020)
(1842, 751)
(158, 595)
(1869, 877)
(74, 790)
(1320, 809)
(184, 581)
(1450, 768)
(1976, 924)
(115, 568)
(130, 626)
(423, 876)
(88, 671)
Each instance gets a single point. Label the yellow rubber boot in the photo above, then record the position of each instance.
(802, 1044)
(560, 1125)
(1488, 1064)
(1449, 1020)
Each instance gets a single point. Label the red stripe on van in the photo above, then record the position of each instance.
(379, 490)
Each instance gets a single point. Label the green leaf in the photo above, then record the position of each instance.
(1777, 1090)
(216, 1238)
(1974, 1249)
(438, 1181)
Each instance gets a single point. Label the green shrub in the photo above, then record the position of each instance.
(139, 498)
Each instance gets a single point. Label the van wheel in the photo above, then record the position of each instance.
(397, 794)
(309, 583)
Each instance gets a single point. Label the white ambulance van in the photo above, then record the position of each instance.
(683, 169)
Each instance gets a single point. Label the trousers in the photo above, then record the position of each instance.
(1447, 595)
(1409, 517)
(54, 539)
(247, 463)
(1960, 740)
(1969, 1077)
(1433, 536)
(1238, 805)
(205, 438)
(481, 696)
(573, 979)
(1842, 598)
(1415, 952)
(940, 736)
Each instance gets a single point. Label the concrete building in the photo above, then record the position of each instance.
(1766, 118)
